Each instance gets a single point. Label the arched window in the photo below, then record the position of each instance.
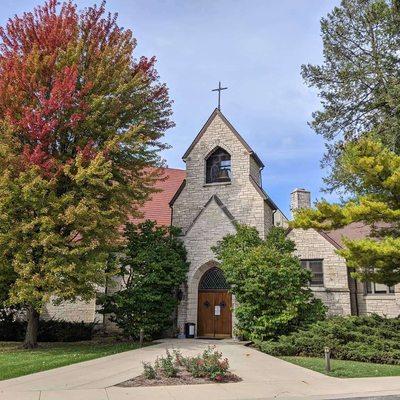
(218, 166)
(213, 279)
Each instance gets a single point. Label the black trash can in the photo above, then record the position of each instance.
(189, 330)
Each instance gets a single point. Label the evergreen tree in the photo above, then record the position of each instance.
(375, 182)
(359, 79)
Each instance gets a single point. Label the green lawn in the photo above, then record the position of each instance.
(346, 369)
(15, 361)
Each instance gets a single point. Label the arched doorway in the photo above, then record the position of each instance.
(214, 317)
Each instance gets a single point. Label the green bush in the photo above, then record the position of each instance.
(269, 284)
(167, 365)
(208, 365)
(64, 331)
(13, 329)
(149, 371)
(153, 265)
(366, 338)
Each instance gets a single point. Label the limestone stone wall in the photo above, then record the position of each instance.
(382, 304)
(83, 311)
(210, 227)
(71, 311)
(280, 219)
(341, 293)
(335, 293)
(255, 171)
(386, 304)
(239, 196)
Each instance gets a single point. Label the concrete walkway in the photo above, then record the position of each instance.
(264, 377)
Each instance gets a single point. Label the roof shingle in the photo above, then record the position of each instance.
(157, 207)
(353, 231)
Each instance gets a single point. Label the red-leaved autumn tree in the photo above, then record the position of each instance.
(81, 120)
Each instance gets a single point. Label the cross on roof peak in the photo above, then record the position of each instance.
(219, 89)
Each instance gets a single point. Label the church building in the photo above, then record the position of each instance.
(222, 186)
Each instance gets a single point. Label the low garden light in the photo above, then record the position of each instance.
(327, 352)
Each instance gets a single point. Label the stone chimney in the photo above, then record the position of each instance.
(300, 198)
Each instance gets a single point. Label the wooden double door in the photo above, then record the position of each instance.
(214, 314)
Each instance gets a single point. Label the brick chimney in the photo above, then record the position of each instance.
(300, 198)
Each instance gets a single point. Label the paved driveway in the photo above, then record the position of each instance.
(264, 377)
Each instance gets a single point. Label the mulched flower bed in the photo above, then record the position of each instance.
(183, 378)
(175, 369)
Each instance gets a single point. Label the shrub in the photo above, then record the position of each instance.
(269, 284)
(153, 266)
(207, 365)
(195, 366)
(167, 365)
(64, 331)
(149, 371)
(366, 338)
(216, 367)
(13, 329)
(179, 359)
(210, 364)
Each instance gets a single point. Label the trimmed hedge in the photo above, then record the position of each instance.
(367, 338)
(54, 330)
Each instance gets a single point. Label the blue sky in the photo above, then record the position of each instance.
(255, 48)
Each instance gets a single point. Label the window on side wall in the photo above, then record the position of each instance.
(378, 288)
(316, 268)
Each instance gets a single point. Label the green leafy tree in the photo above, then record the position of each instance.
(359, 79)
(81, 122)
(153, 266)
(375, 172)
(269, 283)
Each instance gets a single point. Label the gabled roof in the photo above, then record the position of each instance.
(323, 234)
(177, 193)
(353, 231)
(233, 130)
(263, 193)
(157, 207)
(221, 205)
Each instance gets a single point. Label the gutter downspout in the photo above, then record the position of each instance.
(356, 298)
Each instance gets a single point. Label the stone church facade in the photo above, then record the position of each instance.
(220, 187)
(207, 207)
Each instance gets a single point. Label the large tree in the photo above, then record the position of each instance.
(359, 79)
(81, 120)
(375, 182)
(269, 284)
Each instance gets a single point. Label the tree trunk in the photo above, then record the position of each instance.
(31, 329)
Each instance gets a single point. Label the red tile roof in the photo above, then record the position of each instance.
(157, 208)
